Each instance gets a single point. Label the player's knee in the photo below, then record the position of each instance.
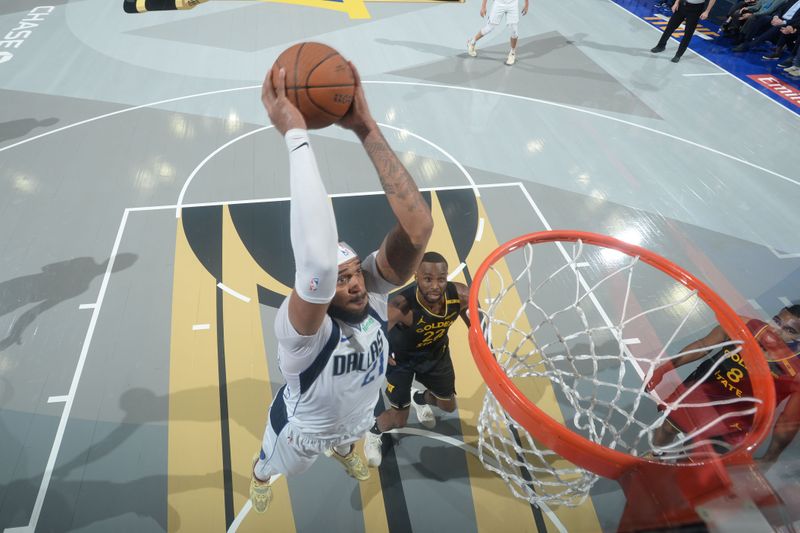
(513, 28)
(488, 28)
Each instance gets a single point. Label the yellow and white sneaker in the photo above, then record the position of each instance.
(352, 463)
(471, 48)
(260, 491)
(512, 58)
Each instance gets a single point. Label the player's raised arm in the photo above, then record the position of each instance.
(715, 336)
(403, 247)
(312, 224)
(399, 311)
(463, 296)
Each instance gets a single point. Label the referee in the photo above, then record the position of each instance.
(684, 10)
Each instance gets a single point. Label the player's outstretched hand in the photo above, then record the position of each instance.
(282, 113)
(658, 375)
(483, 11)
(525, 9)
(358, 118)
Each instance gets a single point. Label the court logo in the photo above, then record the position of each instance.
(23, 30)
(785, 91)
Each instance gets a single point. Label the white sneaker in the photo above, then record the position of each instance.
(424, 412)
(792, 71)
(471, 48)
(372, 449)
(512, 58)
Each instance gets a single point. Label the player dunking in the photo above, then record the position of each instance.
(419, 317)
(780, 341)
(509, 8)
(332, 348)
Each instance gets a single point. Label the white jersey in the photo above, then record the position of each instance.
(333, 378)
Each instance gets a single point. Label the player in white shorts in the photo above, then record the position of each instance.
(331, 330)
(500, 8)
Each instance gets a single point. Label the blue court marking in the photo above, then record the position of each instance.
(718, 50)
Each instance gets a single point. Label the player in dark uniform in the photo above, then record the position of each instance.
(419, 318)
(780, 341)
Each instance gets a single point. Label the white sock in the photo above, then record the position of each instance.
(343, 449)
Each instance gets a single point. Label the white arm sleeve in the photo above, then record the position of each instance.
(313, 226)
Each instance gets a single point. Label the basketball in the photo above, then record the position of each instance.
(319, 82)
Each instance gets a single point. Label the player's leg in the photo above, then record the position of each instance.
(512, 21)
(141, 6)
(491, 23)
(674, 21)
(428, 398)
(279, 454)
(512, 54)
(692, 17)
(346, 454)
(439, 380)
(398, 390)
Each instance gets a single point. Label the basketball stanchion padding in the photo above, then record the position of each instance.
(558, 315)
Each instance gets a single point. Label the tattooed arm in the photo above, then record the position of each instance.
(402, 249)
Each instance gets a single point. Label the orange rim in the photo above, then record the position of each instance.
(576, 448)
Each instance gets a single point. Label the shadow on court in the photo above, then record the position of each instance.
(56, 283)
(14, 129)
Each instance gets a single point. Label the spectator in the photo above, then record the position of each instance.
(747, 15)
(786, 39)
(791, 66)
(788, 15)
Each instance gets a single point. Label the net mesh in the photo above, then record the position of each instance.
(581, 330)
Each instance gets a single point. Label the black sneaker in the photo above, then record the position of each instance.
(785, 63)
(675, 59)
(772, 57)
(658, 48)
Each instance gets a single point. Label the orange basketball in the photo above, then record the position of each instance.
(319, 82)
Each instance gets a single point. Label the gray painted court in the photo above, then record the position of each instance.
(109, 121)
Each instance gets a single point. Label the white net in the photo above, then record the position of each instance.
(581, 330)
